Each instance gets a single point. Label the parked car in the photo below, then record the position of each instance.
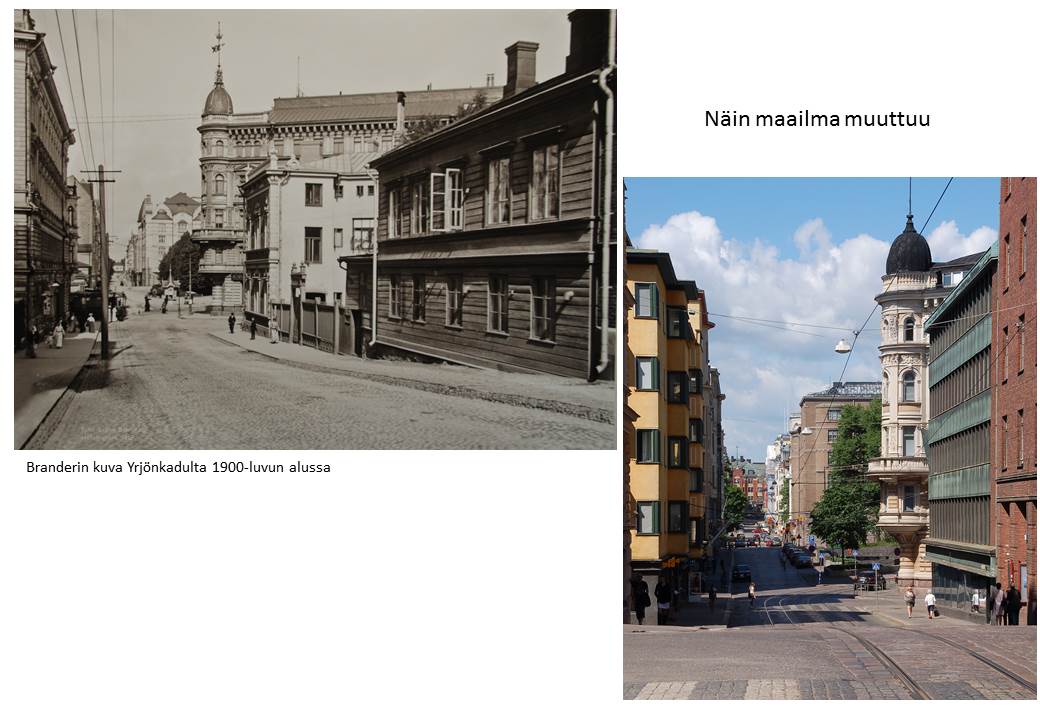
(870, 580)
(741, 572)
(801, 560)
(740, 542)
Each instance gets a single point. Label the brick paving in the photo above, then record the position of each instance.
(172, 386)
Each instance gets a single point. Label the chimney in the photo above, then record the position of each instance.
(519, 67)
(590, 31)
(399, 125)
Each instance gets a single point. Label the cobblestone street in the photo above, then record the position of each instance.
(170, 385)
(806, 641)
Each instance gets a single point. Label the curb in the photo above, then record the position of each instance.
(89, 362)
(557, 406)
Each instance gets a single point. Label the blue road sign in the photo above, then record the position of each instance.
(812, 539)
(875, 566)
(855, 553)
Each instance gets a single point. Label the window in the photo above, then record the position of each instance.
(834, 414)
(543, 308)
(419, 298)
(1007, 260)
(884, 387)
(395, 296)
(545, 183)
(218, 184)
(909, 380)
(498, 303)
(372, 188)
(362, 233)
(696, 480)
(696, 381)
(646, 373)
(337, 190)
(315, 296)
(677, 452)
(218, 256)
(498, 192)
(1021, 344)
(677, 387)
(909, 498)
(647, 517)
(832, 435)
(453, 304)
(219, 148)
(1025, 244)
(395, 215)
(162, 239)
(908, 329)
(446, 200)
(908, 442)
(312, 195)
(361, 191)
(337, 237)
(337, 298)
(1004, 443)
(648, 446)
(646, 300)
(312, 245)
(182, 227)
(1005, 354)
(678, 510)
(677, 322)
(696, 430)
(1021, 438)
(218, 218)
(420, 208)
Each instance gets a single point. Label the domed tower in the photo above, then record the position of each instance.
(220, 233)
(910, 292)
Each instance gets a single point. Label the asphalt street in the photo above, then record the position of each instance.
(803, 640)
(170, 385)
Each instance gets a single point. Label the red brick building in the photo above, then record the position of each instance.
(1013, 437)
(751, 478)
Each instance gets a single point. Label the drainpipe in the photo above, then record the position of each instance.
(608, 179)
(374, 177)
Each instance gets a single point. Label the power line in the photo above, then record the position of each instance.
(785, 322)
(101, 84)
(936, 205)
(68, 74)
(83, 90)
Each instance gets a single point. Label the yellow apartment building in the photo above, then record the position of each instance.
(667, 336)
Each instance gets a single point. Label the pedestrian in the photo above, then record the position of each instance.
(274, 330)
(147, 304)
(59, 336)
(975, 601)
(751, 594)
(711, 597)
(663, 592)
(640, 597)
(929, 602)
(90, 322)
(910, 597)
(231, 323)
(998, 605)
(1013, 604)
(252, 329)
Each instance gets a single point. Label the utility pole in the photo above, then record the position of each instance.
(101, 180)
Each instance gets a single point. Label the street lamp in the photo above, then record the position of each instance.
(842, 347)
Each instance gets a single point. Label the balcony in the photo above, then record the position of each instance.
(892, 466)
(222, 267)
(214, 234)
(903, 521)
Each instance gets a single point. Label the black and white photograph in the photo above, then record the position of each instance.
(315, 229)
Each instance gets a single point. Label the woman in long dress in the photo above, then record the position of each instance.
(59, 335)
(274, 330)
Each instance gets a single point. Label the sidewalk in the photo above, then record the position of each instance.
(39, 382)
(889, 605)
(568, 396)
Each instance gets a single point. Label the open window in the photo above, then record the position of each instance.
(446, 200)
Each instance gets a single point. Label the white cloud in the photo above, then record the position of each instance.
(947, 242)
(765, 368)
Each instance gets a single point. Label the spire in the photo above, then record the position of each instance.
(217, 48)
(910, 199)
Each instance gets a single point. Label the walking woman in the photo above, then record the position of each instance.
(751, 594)
(910, 598)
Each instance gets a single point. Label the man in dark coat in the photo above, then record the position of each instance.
(663, 591)
(1013, 602)
(252, 329)
(231, 323)
(640, 597)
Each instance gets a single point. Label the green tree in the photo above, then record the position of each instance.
(848, 509)
(736, 506)
(426, 124)
(784, 506)
(182, 255)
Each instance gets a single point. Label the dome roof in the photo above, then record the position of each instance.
(218, 102)
(909, 251)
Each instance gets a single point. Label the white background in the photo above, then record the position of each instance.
(469, 583)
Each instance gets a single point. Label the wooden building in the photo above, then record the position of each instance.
(496, 237)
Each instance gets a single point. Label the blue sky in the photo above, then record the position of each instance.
(795, 250)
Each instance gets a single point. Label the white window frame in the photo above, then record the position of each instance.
(419, 298)
(498, 288)
(393, 200)
(453, 299)
(908, 381)
(394, 309)
(499, 208)
(546, 297)
(446, 200)
(337, 237)
(654, 299)
(543, 199)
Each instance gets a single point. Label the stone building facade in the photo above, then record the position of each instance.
(1014, 392)
(44, 250)
(159, 227)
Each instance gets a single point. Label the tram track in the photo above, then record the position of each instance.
(916, 691)
(1014, 677)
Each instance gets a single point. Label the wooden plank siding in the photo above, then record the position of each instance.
(473, 342)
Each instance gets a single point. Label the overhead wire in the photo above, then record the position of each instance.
(83, 91)
(68, 73)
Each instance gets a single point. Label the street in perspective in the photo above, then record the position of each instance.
(830, 477)
(269, 249)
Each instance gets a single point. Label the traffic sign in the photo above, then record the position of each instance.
(875, 566)
(855, 553)
(812, 539)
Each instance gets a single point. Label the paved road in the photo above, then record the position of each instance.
(808, 641)
(171, 386)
